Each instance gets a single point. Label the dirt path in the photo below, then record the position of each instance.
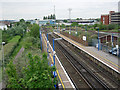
(18, 55)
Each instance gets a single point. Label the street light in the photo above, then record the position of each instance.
(112, 43)
(76, 29)
(40, 37)
(86, 34)
(70, 30)
(98, 39)
(48, 44)
(54, 53)
(3, 52)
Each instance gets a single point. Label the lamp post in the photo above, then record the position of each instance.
(70, 30)
(47, 46)
(40, 38)
(112, 43)
(86, 34)
(76, 29)
(57, 28)
(3, 52)
(54, 54)
(98, 39)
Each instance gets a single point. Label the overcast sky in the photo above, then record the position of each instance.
(31, 9)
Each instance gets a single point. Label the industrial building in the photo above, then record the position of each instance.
(111, 18)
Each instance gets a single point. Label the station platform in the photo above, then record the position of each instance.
(65, 81)
(106, 58)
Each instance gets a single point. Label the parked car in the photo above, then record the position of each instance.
(112, 50)
(115, 51)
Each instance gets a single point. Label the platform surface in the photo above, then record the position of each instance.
(62, 74)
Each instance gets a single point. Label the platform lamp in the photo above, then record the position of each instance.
(40, 37)
(55, 53)
(48, 44)
(98, 39)
(112, 43)
(86, 34)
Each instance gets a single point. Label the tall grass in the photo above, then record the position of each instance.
(10, 46)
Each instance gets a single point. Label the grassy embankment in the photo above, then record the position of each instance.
(31, 45)
(8, 50)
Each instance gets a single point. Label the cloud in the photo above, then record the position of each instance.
(31, 9)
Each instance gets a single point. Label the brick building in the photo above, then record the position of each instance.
(111, 18)
(105, 19)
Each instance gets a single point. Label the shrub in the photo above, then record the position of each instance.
(36, 74)
(9, 47)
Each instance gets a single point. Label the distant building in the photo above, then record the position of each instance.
(31, 21)
(115, 18)
(3, 26)
(44, 22)
(111, 18)
(105, 19)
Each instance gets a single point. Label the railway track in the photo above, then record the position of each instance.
(78, 62)
(73, 73)
(104, 75)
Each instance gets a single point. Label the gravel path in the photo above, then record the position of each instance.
(19, 53)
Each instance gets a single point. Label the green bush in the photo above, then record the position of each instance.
(9, 47)
(36, 74)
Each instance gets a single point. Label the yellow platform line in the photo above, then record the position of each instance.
(56, 68)
(90, 51)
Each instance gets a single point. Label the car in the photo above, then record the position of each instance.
(112, 50)
(115, 52)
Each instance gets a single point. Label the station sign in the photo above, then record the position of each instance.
(84, 38)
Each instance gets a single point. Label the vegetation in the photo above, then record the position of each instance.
(35, 30)
(52, 16)
(36, 74)
(30, 69)
(65, 21)
(74, 24)
(17, 28)
(81, 33)
(9, 47)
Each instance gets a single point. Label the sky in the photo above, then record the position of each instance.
(32, 9)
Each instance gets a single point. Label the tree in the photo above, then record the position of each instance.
(54, 17)
(51, 17)
(44, 18)
(22, 20)
(65, 21)
(36, 74)
(35, 30)
(74, 24)
(77, 19)
(48, 17)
